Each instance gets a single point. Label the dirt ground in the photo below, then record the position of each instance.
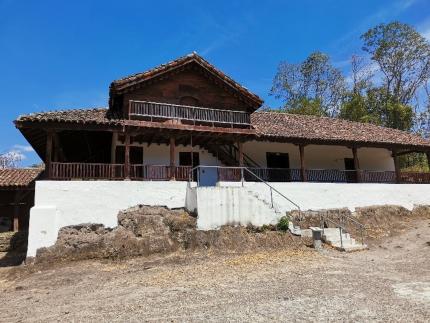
(389, 282)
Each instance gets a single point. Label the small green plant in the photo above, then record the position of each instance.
(283, 223)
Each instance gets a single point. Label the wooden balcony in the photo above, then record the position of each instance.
(154, 111)
(96, 171)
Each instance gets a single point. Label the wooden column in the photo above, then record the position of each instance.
(428, 159)
(113, 148)
(396, 166)
(240, 148)
(127, 156)
(302, 163)
(172, 158)
(16, 209)
(48, 153)
(356, 164)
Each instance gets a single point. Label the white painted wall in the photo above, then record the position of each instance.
(218, 206)
(156, 154)
(314, 196)
(62, 203)
(320, 156)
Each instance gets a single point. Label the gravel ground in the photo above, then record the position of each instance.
(389, 282)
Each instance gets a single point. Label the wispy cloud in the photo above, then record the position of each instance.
(349, 40)
(225, 33)
(424, 28)
(25, 148)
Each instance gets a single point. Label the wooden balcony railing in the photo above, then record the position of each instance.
(93, 171)
(159, 172)
(67, 171)
(190, 114)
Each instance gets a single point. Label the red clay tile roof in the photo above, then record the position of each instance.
(273, 125)
(193, 57)
(293, 126)
(18, 177)
(83, 116)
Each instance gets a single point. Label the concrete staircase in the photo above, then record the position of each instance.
(341, 241)
(217, 206)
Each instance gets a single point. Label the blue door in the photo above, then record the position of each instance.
(208, 176)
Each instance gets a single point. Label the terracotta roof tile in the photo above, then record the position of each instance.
(270, 125)
(141, 77)
(284, 125)
(18, 177)
(83, 116)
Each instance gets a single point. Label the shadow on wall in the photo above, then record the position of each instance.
(13, 248)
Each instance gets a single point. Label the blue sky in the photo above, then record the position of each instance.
(64, 54)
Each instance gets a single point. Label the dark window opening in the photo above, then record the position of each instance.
(280, 164)
(349, 163)
(351, 176)
(185, 159)
(277, 160)
(136, 155)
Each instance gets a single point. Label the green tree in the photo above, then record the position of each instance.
(402, 55)
(313, 86)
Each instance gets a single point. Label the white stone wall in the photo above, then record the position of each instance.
(218, 206)
(62, 203)
(314, 196)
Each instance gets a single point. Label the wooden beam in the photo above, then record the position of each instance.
(48, 153)
(172, 158)
(302, 163)
(127, 156)
(356, 163)
(396, 165)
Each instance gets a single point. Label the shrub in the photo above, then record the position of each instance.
(283, 223)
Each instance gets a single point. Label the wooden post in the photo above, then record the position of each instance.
(48, 153)
(113, 148)
(356, 164)
(428, 159)
(396, 166)
(127, 156)
(302, 163)
(16, 210)
(240, 148)
(172, 158)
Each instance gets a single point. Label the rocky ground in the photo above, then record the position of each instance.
(389, 282)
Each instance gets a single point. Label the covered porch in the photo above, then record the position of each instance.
(133, 157)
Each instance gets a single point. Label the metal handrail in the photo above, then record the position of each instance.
(342, 224)
(339, 225)
(191, 173)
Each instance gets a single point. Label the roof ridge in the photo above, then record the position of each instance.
(138, 77)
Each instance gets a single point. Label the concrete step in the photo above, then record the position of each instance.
(294, 229)
(331, 236)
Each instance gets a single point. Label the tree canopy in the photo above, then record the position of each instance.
(385, 85)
